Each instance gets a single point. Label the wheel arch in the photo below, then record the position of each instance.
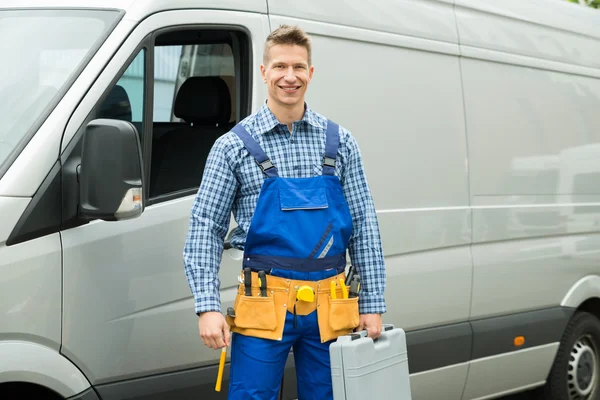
(40, 365)
(584, 295)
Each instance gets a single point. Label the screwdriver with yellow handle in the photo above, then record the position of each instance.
(332, 289)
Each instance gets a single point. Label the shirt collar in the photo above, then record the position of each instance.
(265, 114)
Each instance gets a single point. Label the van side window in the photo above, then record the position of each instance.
(194, 103)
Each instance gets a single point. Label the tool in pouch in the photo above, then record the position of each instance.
(351, 273)
(354, 286)
(262, 282)
(248, 281)
(333, 289)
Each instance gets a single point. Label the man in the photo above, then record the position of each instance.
(296, 185)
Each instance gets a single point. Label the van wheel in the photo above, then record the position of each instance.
(575, 374)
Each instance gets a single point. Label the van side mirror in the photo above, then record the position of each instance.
(110, 175)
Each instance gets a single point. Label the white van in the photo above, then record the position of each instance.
(108, 109)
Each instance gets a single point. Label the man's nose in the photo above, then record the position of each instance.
(290, 76)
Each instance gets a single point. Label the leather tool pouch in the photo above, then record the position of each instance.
(256, 313)
(343, 313)
(338, 316)
(257, 316)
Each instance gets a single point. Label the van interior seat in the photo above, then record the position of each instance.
(179, 155)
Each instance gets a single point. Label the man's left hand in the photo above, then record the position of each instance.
(372, 323)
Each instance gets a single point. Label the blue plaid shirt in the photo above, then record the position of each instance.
(232, 183)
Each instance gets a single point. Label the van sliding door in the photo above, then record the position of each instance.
(389, 72)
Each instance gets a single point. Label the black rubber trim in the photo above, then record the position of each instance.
(89, 394)
(493, 336)
(458, 343)
(43, 214)
(438, 347)
(190, 384)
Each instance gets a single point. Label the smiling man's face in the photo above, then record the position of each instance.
(287, 74)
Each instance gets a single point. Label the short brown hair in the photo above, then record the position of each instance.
(287, 35)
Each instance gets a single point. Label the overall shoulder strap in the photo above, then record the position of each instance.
(255, 151)
(332, 142)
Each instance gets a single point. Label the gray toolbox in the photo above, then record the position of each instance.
(363, 368)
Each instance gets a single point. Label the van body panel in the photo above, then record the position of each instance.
(449, 383)
(509, 275)
(30, 283)
(535, 28)
(496, 32)
(516, 147)
(445, 271)
(22, 361)
(134, 302)
(431, 229)
(25, 175)
(11, 209)
(504, 373)
(421, 19)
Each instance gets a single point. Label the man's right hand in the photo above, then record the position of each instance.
(214, 330)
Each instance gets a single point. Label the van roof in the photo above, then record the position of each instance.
(558, 14)
(138, 9)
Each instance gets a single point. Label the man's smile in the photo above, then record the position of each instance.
(289, 89)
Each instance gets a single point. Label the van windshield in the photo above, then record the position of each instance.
(41, 52)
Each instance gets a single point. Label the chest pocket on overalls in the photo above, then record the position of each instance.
(305, 218)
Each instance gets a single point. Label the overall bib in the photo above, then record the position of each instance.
(299, 236)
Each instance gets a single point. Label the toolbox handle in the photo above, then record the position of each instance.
(363, 333)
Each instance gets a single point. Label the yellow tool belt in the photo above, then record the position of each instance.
(264, 317)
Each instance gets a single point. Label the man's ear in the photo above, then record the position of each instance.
(311, 71)
(263, 72)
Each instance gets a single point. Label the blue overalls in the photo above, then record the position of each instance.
(300, 230)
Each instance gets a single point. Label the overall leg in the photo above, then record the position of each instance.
(313, 367)
(257, 367)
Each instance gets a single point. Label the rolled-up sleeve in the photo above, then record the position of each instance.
(208, 225)
(365, 248)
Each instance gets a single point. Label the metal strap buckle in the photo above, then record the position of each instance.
(265, 165)
(330, 162)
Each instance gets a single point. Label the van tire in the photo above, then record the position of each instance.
(579, 351)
